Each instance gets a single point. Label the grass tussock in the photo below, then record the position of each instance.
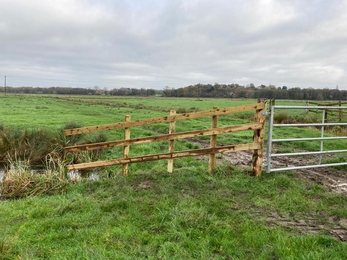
(43, 147)
(20, 184)
(283, 118)
(337, 130)
(33, 145)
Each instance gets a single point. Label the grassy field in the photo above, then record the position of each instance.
(49, 111)
(150, 214)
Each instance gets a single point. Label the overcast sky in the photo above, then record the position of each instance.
(175, 43)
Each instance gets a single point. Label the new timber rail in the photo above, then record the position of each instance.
(256, 145)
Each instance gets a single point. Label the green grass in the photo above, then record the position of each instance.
(150, 214)
(190, 214)
(300, 115)
(170, 103)
(54, 112)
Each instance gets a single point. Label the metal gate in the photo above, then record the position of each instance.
(321, 152)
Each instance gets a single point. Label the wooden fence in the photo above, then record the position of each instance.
(340, 114)
(256, 145)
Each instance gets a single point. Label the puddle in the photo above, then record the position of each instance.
(2, 173)
(83, 175)
(73, 175)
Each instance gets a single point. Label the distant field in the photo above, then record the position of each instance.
(56, 111)
(50, 111)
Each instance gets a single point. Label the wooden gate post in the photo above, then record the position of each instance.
(126, 148)
(258, 137)
(213, 143)
(172, 130)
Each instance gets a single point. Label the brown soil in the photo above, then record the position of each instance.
(335, 180)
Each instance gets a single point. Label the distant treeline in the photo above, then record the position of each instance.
(199, 91)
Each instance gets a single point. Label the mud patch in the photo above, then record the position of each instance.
(309, 224)
(334, 180)
(145, 185)
(240, 158)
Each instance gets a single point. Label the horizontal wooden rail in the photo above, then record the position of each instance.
(165, 137)
(154, 157)
(165, 119)
(214, 131)
(328, 104)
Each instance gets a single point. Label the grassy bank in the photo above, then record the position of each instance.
(186, 215)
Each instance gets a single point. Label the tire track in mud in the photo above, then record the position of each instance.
(317, 223)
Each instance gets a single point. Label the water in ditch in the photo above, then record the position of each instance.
(73, 175)
(2, 173)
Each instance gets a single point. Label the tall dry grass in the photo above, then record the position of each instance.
(22, 150)
(20, 182)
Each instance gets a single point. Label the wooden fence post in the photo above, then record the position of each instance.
(258, 137)
(126, 148)
(271, 103)
(256, 145)
(213, 143)
(172, 130)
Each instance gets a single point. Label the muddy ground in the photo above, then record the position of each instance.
(319, 222)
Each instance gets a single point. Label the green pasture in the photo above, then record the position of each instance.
(186, 215)
(151, 214)
(54, 112)
(170, 103)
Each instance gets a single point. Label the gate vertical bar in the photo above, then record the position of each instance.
(269, 139)
(322, 135)
(126, 147)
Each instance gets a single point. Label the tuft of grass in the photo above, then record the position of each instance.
(72, 139)
(44, 148)
(284, 118)
(337, 130)
(21, 183)
(285, 150)
(339, 159)
(33, 145)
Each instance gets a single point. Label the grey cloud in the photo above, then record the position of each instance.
(153, 44)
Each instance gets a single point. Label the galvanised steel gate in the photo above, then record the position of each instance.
(322, 151)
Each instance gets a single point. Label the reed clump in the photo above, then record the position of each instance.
(25, 149)
(42, 148)
(21, 183)
(34, 145)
